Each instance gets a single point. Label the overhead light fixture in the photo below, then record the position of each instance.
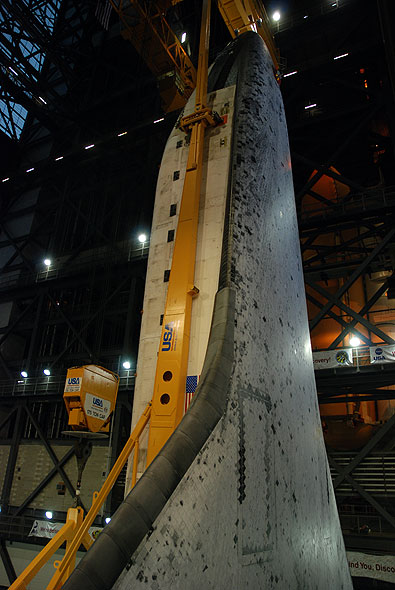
(5, 179)
(47, 372)
(47, 262)
(59, 158)
(24, 374)
(354, 341)
(340, 56)
(159, 120)
(48, 514)
(183, 37)
(123, 133)
(42, 100)
(107, 520)
(88, 147)
(13, 71)
(276, 16)
(142, 238)
(30, 170)
(306, 16)
(290, 74)
(310, 106)
(126, 365)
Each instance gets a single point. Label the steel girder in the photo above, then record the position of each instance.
(7, 562)
(346, 473)
(33, 41)
(336, 298)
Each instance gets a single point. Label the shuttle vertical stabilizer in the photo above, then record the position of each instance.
(241, 495)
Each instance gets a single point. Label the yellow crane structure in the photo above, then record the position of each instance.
(249, 15)
(90, 412)
(171, 368)
(138, 17)
(144, 24)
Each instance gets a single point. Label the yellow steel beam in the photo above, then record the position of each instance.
(172, 361)
(145, 25)
(249, 15)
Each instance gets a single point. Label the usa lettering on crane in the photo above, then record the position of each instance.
(73, 381)
(168, 336)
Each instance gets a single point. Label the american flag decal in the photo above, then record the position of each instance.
(190, 388)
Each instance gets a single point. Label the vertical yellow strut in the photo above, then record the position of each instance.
(172, 362)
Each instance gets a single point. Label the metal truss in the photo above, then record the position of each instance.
(7, 563)
(31, 419)
(144, 24)
(25, 34)
(86, 306)
(20, 414)
(336, 300)
(78, 325)
(38, 39)
(345, 474)
(344, 239)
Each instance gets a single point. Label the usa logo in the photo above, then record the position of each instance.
(168, 336)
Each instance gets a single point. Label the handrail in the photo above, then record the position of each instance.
(98, 499)
(372, 198)
(76, 529)
(52, 385)
(61, 267)
(74, 518)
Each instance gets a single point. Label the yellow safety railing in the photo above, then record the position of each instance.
(76, 529)
(66, 533)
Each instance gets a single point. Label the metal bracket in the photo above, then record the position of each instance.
(209, 117)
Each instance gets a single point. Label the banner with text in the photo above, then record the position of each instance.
(330, 359)
(382, 354)
(379, 567)
(47, 529)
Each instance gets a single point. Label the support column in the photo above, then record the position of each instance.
(12, 458)
(6, 559)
